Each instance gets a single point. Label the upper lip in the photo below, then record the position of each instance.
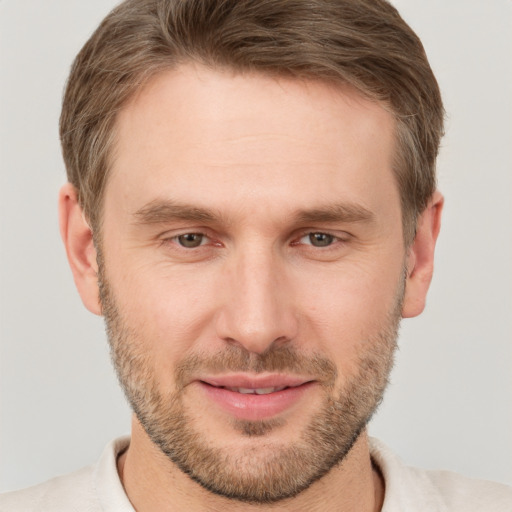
(255, 381)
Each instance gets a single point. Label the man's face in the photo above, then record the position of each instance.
(252, 268)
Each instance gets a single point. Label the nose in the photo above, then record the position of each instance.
(257, 308)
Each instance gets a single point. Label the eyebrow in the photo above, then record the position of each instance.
(342, 212)
(162, 211)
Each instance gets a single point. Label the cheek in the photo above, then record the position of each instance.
(168, 312)
(344, 310)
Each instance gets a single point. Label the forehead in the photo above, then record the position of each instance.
(203, 136)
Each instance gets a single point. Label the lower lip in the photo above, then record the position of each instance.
(255, 407)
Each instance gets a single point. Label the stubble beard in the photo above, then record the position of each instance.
(268, 472)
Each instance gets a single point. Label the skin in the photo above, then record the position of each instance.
(260, 154)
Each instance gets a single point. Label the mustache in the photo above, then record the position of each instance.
(280, 359)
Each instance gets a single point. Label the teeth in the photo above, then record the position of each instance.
(245, 391)
(256, 391)
(264, 391)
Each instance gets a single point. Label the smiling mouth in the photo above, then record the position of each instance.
(252, 391)
(255, 401)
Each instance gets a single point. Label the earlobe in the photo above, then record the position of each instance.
(78, 240)
(420, 259)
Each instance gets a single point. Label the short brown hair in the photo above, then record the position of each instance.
(362, 43)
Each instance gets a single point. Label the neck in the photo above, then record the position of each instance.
(153, 482)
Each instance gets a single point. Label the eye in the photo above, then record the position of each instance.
(191, 240)
(318, 239)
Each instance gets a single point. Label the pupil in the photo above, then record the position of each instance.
(321, 239)
(190, 240)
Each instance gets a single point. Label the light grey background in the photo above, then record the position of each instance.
(450, 402)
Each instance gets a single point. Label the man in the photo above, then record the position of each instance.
(252, 208)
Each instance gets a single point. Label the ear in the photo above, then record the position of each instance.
(77, 237)
(420, 257)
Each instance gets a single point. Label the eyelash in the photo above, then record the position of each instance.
(331, 239)
(174, 240)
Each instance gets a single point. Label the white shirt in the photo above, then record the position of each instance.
(98, 488)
